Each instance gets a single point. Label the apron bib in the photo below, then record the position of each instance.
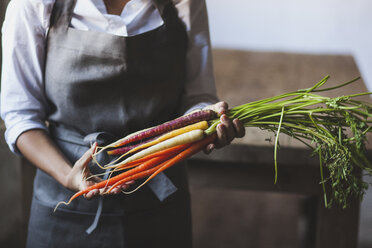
(105, 86)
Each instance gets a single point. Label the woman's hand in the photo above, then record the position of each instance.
(53, 162)
(227, 130)
(78, 180)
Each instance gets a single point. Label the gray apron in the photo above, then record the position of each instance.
(103, 87)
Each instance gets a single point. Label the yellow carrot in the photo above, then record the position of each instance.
(199, 125)
(185, 138)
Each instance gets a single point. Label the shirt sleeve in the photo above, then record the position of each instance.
(23, 102)
(200, 89)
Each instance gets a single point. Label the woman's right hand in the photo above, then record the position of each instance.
(77, 178)
(53, 162)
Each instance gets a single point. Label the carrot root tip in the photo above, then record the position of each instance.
(59, 203)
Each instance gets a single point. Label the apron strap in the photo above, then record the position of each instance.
(62, 14)
(167, 10)
(161, 4)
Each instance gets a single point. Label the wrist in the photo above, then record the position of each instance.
(64, 179)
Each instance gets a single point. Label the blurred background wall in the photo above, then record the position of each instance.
(10, 194)
(316, 26)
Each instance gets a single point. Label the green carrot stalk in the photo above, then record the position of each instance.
(334, 127)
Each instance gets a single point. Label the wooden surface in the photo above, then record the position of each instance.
(247, 164)
(242, 77)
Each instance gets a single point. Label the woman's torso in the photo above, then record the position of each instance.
(99, 82)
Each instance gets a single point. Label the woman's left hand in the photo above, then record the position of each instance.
(227, 130)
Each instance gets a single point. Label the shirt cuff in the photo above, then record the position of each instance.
(12, 133)
(198, 106)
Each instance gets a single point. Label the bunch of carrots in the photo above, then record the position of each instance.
(334, 128)
(154, 150)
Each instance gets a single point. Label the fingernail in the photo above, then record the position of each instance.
(211, 148)
(93, 147)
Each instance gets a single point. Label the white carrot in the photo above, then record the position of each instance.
(185, 138)
(125, 151)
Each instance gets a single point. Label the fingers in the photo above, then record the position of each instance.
(209, 148)
(120, 188)
(239, 128)
(221, 107)
(86, 158)
(82, 164)
(91, 194)
(127, 185)
(75, 179)
(227, 130)
(104, 191)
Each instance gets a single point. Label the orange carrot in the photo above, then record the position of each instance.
(171, 150)
(150, 167)
(193, 149)
(139, 175)
(185, 138)
(143, 167)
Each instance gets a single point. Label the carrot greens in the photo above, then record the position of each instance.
(335, 128)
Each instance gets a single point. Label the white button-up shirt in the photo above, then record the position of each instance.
(24, 31)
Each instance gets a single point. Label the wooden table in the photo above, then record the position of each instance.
(248, 163)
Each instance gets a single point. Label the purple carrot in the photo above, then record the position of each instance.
(127, 148)
(202, 115)
(122, 150)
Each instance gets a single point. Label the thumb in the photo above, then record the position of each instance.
(219, 107)
(86, 158)
(80, 170)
